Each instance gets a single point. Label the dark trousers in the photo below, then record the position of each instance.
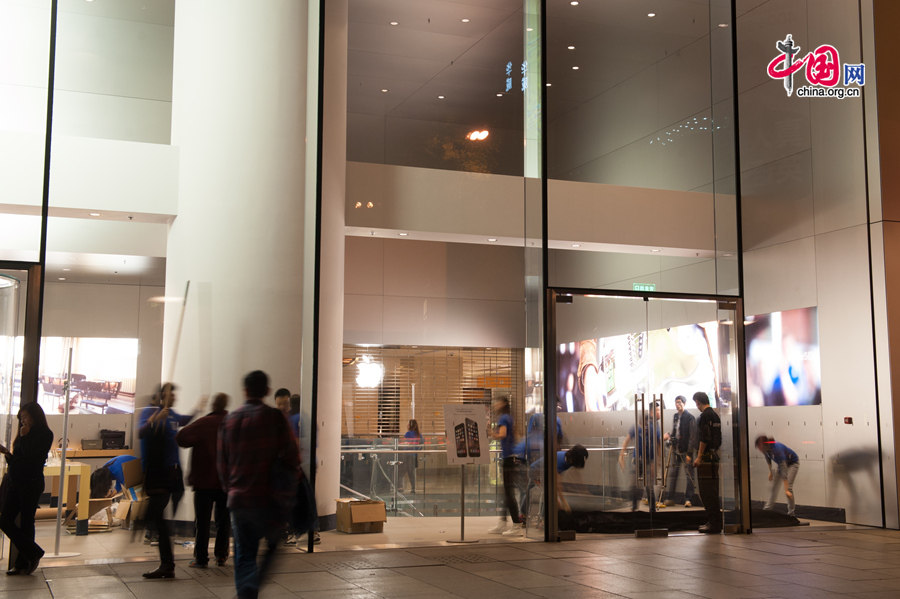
(511, 474)
(22, 501)
(250, 526)
(708, 481)
(204, 500)
(156, 512)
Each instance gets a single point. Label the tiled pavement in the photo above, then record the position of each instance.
(796, 564)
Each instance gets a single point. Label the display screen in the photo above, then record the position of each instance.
(783, 366)
(606, 373)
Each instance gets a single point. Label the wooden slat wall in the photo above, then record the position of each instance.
(440, 375)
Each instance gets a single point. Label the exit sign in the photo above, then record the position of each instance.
(643, 286)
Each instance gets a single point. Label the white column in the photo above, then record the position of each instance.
(239, 123)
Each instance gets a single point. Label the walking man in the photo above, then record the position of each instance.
(202, 435)
(259, 467)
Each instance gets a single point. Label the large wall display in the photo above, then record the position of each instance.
(604, 374)
(103, 375)
(783, 359)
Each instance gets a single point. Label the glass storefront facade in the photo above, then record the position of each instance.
(580, 208)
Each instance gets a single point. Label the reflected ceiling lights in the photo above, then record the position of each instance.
(464, 20)
(723, 25)
(403, 234)
(574, 2)
(571, 47)
(575, 68)
(394, 23)
(492, 239)
(478, 135)
(440, 97)
(94, 213)
(384, 91)
(651, 14)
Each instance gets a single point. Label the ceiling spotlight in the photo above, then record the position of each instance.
(656, 251)
(385, 90)
(464, 20)
(529, 29)
(651, 14)
(575, 68)
(492, 239)
(570, 47)
(370, 205)
(576, 245)
(67, 270)
(403, 234)
(574, 2)
(94, 213)
(61, 279)
(394, 23)
(440, 97)
(358, 205)
(548, 84)
(478, 135)
(723, 25)
(499, 95)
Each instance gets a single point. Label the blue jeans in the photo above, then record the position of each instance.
(248, 527)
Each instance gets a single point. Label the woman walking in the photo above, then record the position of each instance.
(23, 484)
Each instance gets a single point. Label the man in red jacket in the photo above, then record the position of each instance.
(202, 435)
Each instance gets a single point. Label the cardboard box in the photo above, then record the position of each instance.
(358, 516)
(133, 505)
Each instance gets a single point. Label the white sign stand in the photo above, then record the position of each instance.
(466, 428)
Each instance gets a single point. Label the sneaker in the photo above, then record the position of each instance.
(316, 539)
(499, 529)
(514, 531)
(688, 504)
(290, 540)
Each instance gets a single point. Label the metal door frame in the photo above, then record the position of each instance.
(739, 410)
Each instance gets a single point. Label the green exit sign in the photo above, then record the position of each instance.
(643, 286)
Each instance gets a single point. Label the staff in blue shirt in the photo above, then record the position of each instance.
(787, 464)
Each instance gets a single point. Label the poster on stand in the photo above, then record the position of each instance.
(468, 434)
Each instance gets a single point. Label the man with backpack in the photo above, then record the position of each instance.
(709, 434)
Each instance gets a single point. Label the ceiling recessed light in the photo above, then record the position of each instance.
(94, 213)
(576, 245)
(570, 47)
(499, 95)
(575, 68)
(548, 84)
(651, 14)
(464, 20)
(394, 23)
(723, 25)
(655, 251)
(492, 239)
(61, 278)
(574, 2)
(440, 97)
(529, 29)
(67, 269)
(403, 234)
(385, 90)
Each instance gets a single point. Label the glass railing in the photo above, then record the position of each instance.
(416, 480)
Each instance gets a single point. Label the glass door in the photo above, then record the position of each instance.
(627, 370)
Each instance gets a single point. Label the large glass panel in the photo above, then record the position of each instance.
(112, 197)
(627, 371)
(24, 62)
(442, 121)
(640, 146)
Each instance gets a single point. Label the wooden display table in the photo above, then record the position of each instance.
(83, 472)
(97, 453)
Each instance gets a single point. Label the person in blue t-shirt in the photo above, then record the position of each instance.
(512, 465)
(647, 444)
(115, 469)
(787, 464)
(575, 457)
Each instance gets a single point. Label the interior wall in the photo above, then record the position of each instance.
(805, 232)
